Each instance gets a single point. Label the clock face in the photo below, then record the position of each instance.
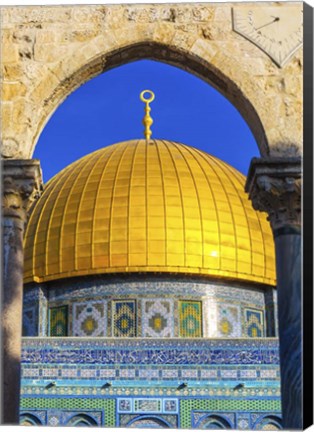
(277, 30)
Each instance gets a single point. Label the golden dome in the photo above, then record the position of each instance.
(158, 207)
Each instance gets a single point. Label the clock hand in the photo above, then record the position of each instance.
(274, 20)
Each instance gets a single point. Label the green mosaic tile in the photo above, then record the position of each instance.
(108, 405)
(59, 321)
(190, 318)
(246, 405)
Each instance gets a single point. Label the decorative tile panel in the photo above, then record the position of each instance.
(157, 318)
(148, 373)
(269, 373)
(59, 321)
(89, 318)
(187, 407)
(147, 405)
(124, 318)
(248, 373)
(190, 318)
(170, 373)
(244, 421)
(107, 373)
(254, 323)
(53, 420)
(189, 373)
(170, 405)
(229, 324)
(125, 405)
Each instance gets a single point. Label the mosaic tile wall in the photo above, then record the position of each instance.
(58, 321)
(130, 307)
(190, 318)
(35, 298)
(139, 382)
(158, 318)
(89, 318)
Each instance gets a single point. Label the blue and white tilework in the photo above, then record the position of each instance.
(229, 323)
(157, 318)
(89, 318)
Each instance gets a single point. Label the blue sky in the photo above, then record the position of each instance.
(107, 109)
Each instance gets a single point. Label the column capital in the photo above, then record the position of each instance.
(274, 186)
(22, 185)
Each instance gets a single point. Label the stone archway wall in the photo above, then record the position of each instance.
(48, 51)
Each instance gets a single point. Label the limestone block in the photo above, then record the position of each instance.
(223, 13)
(68, 66)
(184, 40)
(10, 53)
(217, 31)
(293, 84)
(49, 53)
(81, 35)
(90, 14)
(12, 90)
(44, 88)
(128, 35)
(105, 42)
(46, 36)
(204, 49)
(19, 111)
(163, 32)
(6, 113)
(41, 14)
(12, 71)
(253, 66)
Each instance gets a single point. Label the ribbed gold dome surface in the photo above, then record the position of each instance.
(137, 207)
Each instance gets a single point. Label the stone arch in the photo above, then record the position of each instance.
(220, 78)
(41, 67)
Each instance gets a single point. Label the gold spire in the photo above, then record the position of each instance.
(147, 120)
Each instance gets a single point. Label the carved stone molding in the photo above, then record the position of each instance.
(21, 186)
(274, 186)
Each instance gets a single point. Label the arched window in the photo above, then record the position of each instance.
(29, 420)
(268, 423)
(213, 422)
(148, 422)
(82, 420)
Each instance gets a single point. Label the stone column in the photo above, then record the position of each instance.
(21, 186)
(274, 186)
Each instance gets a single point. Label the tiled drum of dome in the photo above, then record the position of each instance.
(190, 313)
(59, 321)
(254, 323)
(157, 318)
(228, 321)
(90, 318)
(124, 318)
